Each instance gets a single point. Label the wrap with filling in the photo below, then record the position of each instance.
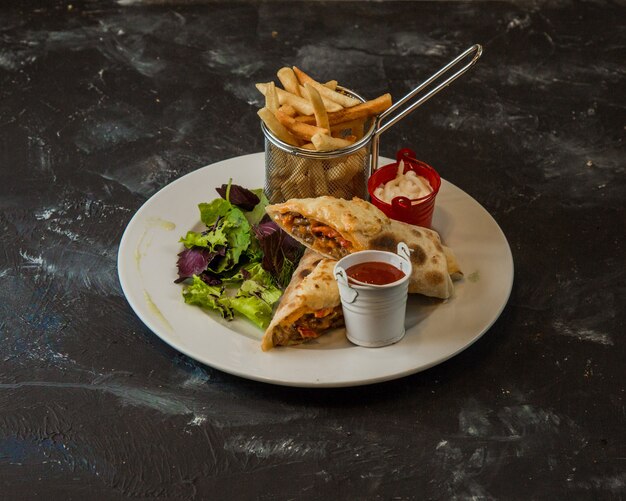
(310, 305)
(335, 228)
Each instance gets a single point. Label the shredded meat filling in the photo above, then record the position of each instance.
(310, 326)
(321, 236)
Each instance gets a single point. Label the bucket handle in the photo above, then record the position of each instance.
(347, 293)
(404, 252)
(476, 50)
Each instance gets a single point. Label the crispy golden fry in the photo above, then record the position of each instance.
(271, 97)
(328, 104)
(298, 184)
(343, 171)
(339, 192)
(277, 128)
(308, 146)
(305, 189)
(290, 189)
(284, 97)
(299, 129)
(324, 142)
(276, 196)
(321, 117)
(331, 84)
(317, 178)
(363, 110)
(288, 110)
(342, 99)
(359, 183)
(274, 186)
(282, 170)
(289, 80)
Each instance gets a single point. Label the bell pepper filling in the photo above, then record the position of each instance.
(310, 326)
(320, 236)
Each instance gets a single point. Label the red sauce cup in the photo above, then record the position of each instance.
(417, 211)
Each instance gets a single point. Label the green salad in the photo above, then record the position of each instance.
(241, 262)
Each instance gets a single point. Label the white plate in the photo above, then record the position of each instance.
(436, 330)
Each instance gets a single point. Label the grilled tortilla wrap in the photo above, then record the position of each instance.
(335, 227)
(310, 305)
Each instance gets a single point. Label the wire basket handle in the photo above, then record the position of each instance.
(476, 50)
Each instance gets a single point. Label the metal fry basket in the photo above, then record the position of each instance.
(292, 172)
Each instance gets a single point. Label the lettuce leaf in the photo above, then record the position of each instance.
(257, 295)
(227, 227)
(253, 308)
(210, 297)
(240, 262)
(212, 212)
(281, 252)
(237, 195)
(207, 239)
(193, 261)
(257, 214)
(254, 299)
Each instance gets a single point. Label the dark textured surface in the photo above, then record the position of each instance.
(104, 103)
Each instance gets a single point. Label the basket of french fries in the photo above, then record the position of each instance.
(322, 138)
(317, 137)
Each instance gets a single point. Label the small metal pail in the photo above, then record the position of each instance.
(374, 314)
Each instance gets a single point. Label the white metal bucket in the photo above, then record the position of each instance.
(374, 314)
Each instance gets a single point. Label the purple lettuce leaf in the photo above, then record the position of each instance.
(281, 252)
(239, 196)
(210, 279)
(192, 262)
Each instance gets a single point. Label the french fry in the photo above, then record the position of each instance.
(290, 189)
(308, 146)
(275, 196)
(288, 110)
(271, 97)
(317, 178)
(304, 187)
(363, 110)
(299, 129)
(340, 192)
(331, 84)
(324, 142)
(298, 184)
(343, 171)
(281, 170)
(274, 187)
(277, 128)
(321, 117)
(284, 97)
(289, 80)
(328, 104)
(342, 99)
(359, 183)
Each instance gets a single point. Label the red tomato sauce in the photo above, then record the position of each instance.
(375, 273)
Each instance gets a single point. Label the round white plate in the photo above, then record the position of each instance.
(436, 330)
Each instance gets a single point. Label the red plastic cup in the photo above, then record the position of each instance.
(417, 211)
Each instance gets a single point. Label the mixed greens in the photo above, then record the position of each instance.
(241, 262)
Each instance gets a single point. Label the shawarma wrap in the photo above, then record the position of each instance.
(310, 305)
(335, 228)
